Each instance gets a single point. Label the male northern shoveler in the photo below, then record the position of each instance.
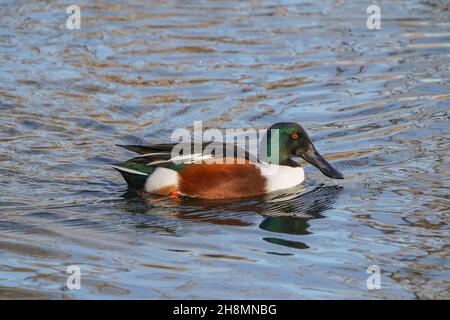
(157, 172)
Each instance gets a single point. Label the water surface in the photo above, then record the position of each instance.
(374, 101)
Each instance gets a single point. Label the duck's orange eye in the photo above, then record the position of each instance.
(294, 136)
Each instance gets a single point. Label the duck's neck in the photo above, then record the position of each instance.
(291, 163)
(269, 151)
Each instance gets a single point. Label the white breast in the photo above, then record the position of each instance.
(161, 178)
(281, 177)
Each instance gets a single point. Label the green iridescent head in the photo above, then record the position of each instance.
(287, 140)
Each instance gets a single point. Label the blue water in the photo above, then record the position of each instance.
(375, 102)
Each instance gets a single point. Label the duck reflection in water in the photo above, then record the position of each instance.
(292, 216)
(286, 213)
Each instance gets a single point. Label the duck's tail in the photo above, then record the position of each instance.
(135, 174)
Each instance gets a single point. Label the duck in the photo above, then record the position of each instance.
(239, 174)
